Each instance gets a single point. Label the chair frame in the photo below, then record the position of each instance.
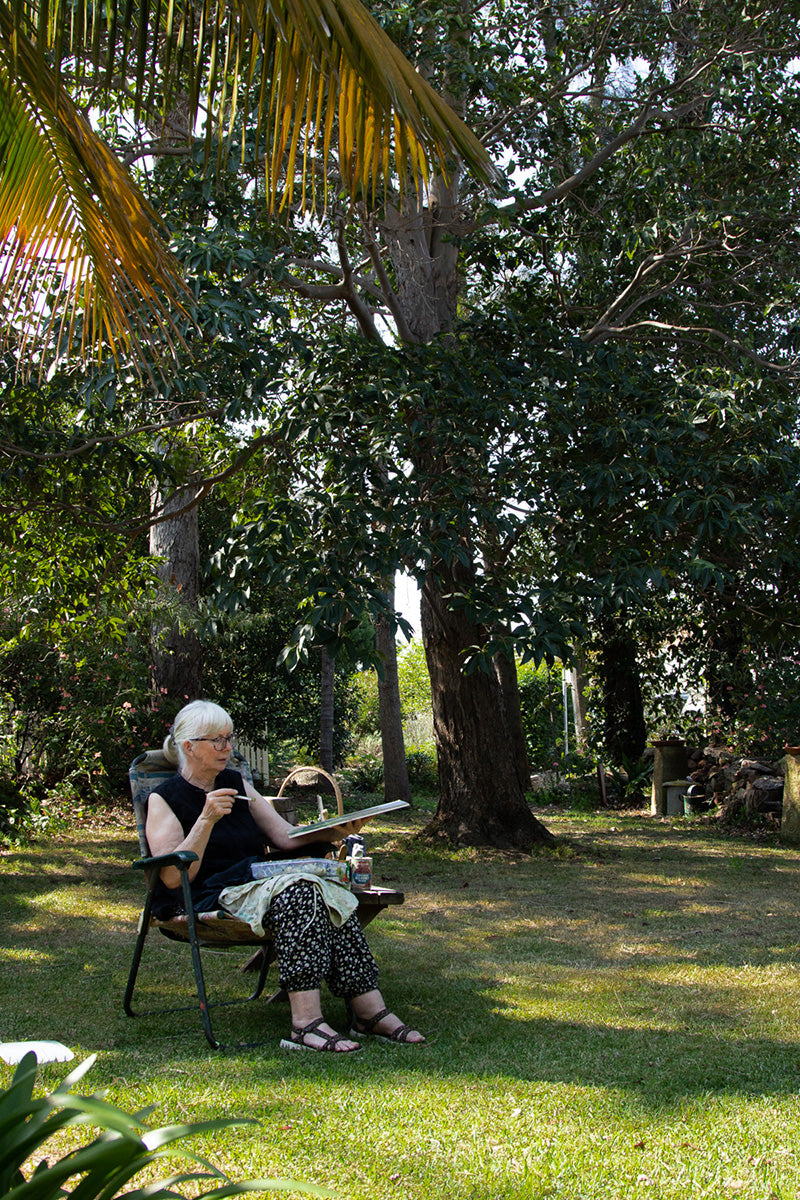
(205, 929)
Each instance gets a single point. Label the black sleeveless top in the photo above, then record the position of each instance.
(234, 842)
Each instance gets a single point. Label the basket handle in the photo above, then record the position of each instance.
(337, 791)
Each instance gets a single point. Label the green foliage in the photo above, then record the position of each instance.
(104, 1166)
(74, 715)
(414, 684)
(365, 691)
(421, 763)
(75, 482)
(364, 773)
(542, 711)
(595, 479)
(628, 782)
(414, 680)
(268, 703)
(17, 812)
(768, 711)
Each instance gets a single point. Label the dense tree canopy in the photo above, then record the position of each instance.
(558, 408)
(627, 220)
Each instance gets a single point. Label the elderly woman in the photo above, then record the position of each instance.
(202, 808)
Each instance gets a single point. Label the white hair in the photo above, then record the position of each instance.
(195, 720)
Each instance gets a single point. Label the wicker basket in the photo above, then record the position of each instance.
(305, 776)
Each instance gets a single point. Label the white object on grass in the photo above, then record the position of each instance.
(14, 1052)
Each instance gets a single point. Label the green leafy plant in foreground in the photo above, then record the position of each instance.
(101, 1168)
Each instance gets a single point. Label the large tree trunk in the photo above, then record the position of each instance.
(177, 651)
(395, 769)
(326, 694)
(481, 800)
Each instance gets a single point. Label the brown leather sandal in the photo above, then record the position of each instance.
(297, 1041)
(366, 1028)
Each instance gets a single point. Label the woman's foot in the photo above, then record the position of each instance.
(384, 1026)
(316, 1035)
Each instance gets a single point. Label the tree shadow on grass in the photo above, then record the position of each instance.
(470, 1039)
(660, 1066)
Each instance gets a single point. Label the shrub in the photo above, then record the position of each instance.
(422, 767)
(16, 812)
(102, 1168)
(414, 681)
(769, 714)
(415, 692)
(628, 785)
(364, 774)
(367, 718)
(542, 711)
(74, 715)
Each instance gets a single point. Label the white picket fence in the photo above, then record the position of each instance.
(258, 758)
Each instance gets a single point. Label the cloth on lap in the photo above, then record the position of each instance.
(250, 901)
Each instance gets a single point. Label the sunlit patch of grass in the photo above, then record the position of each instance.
(23, 954)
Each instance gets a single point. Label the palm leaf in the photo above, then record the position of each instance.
(77, 238)
(79, 243)
(103, 1167)
(365, 77)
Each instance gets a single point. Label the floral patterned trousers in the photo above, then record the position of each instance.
(310, 948)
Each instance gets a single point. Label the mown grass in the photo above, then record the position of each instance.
(618, 1018)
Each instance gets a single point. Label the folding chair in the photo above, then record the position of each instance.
(198, 929)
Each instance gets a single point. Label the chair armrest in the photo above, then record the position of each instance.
(182, 859)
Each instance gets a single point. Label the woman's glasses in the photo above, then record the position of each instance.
(219, 743)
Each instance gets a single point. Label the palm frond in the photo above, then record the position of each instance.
(305, 50)
(77, 239)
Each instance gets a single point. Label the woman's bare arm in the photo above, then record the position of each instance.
(165, 833)
(276, 830)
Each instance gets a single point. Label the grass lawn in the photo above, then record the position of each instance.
(618, 1018)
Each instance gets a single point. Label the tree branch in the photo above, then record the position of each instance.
(681, 249)
(359, 309)
(546, 198)
(694, 332)
(15, 451)
(387, 291)
(326, 268)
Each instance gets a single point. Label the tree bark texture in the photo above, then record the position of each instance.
(481, 800)
(426, 267)
(177, 652)
(326, 690)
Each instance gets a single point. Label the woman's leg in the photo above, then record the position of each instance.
(352, 968)
(354, 975)
(307, 1012)
(371, 1016)
(302, 937)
